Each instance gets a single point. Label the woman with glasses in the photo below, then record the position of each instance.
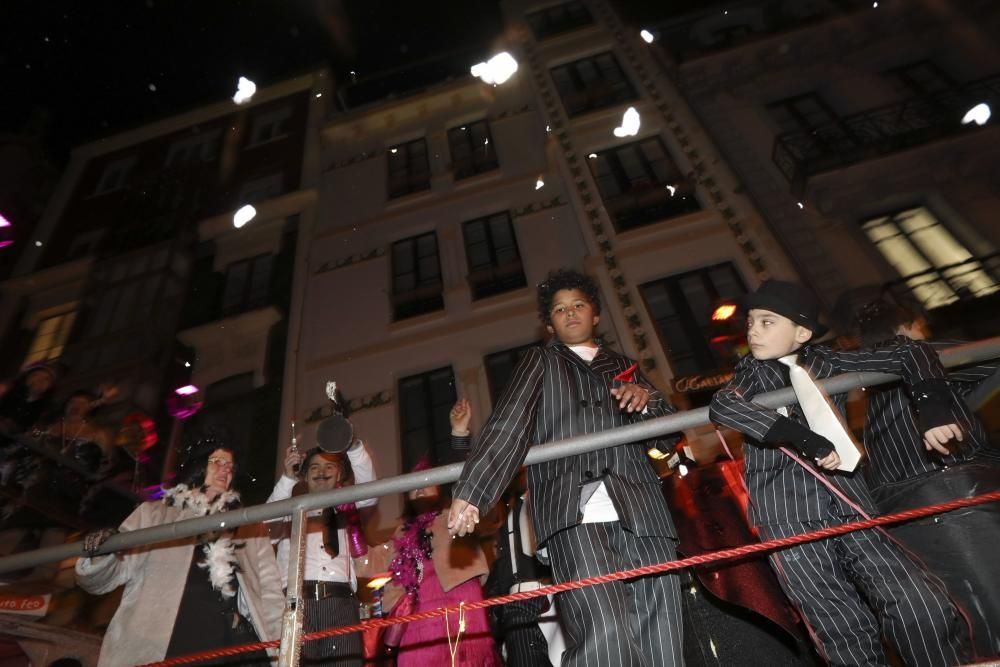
(194, 594)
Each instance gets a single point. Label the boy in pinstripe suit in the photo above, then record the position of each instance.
(595, 513)
(904, 472)
(856, 588)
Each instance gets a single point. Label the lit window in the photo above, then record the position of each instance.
(933, 263)
(50, 338)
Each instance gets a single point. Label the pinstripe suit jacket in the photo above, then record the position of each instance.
(781, 491)
(554, 394)
(893, 440)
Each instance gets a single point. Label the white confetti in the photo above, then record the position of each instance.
(672, 190)
(331, 390)
(245, 88)
(630, 124)
(647, 36)
(244, 215)
(539, 184)
(978, 114)
(497, 69)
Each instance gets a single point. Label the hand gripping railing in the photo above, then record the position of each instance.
(961, 355)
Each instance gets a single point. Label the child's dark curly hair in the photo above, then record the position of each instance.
(565, 279)
(878, 320)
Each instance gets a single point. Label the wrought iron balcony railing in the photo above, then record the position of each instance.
(880, 131)
(974, 278)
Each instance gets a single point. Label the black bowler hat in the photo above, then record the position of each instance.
(790, 300)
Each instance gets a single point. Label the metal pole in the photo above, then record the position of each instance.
(291, 622)
(958, 356)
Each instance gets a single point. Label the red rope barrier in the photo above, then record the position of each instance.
(702, 559)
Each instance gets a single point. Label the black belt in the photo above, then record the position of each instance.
(320, 590)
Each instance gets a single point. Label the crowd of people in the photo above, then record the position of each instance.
(921, 593)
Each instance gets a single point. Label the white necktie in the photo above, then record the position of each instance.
(823, 418)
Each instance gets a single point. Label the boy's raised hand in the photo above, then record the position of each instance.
(937, 438)
(460, 416)
(631, 397)
(462, 518)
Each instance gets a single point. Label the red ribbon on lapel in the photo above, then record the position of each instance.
(628, 375)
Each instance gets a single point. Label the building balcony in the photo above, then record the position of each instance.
(881, 131)
(939, 287)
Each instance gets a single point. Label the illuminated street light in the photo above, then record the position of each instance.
(497, 69)
(724, 312)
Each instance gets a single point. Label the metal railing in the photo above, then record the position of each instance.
(957, 356)
(880, 131)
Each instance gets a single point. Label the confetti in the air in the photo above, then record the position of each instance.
(647, 36)
(497, 69)
(672, 190)
(630, 124)
(800, 204)
(4, 222)
(244, 215)
(592, 156)
(978, 114)
(152, 87)
(539, 184)
(245, 88)
(331, 390)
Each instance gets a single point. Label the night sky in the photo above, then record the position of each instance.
(95, 68)
(101, 67)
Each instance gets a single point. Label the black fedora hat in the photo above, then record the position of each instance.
(790, 300)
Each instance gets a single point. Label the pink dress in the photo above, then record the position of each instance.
(425, 643)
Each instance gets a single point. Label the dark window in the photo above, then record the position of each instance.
(472, 150)
(409, 170)
(247, 284)
(500, 367)
(416, 276)
(270, 125)
(802, 113)
(682, 307)
(424, 402)
(558, 19)
(919, 79)
(494, 261)
(115, 175)
(640, 184)
(592, 83)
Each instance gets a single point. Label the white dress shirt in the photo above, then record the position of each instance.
(599, 507)
(319, 565)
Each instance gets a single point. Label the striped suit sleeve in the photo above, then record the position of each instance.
(501, 447)
(914, 361)
(731, 405)
(964, 380)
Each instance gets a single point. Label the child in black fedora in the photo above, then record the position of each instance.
(856, 588)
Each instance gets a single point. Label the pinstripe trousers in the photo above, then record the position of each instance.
(342, 650)
(848, 586)
(635, 623)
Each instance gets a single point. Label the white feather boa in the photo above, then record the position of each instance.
(219, 549)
